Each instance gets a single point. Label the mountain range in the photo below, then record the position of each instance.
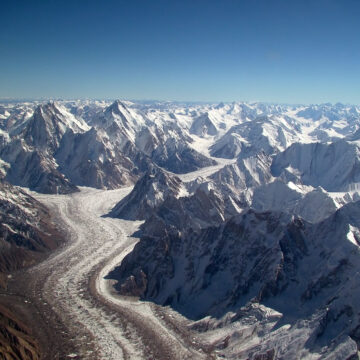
(251, 211)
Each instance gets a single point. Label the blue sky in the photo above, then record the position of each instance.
(289, 51)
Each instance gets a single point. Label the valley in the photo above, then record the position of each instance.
(182, 231)
(72, 284)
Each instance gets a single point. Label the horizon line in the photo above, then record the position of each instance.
(205, 102)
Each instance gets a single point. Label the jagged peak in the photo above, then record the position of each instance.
(51, 107)
(203, 125)
(117, 107)
(157, 175)
(54, 115)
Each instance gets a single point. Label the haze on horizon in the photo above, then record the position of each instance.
(281, 51)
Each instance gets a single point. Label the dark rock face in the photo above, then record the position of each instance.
(299, 269)
(134, 285)
(149, 192)
(15, 338)
(182, 160)
(44, 130)
(26, 235)
(212, 269)
(265, 258)
(26, 230)
(161, 194)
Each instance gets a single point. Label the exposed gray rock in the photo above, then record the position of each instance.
(334, 166)
(203, 125)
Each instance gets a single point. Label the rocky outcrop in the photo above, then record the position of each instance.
(16, 341)
(246, 173)
(333, 166)
(26, 229)
(265, 258)
(34, 169)
(168, 147)
(203, 126)
(48, 124)
(90, 159)
(149, 192)
(30, 149)
(27, 234)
